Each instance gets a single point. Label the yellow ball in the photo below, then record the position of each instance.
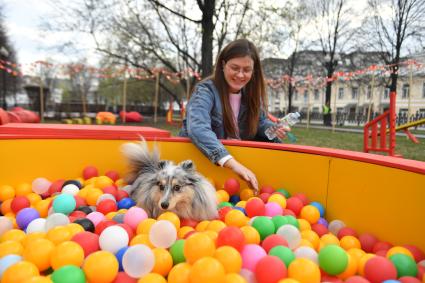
(356, 253)
(13, 235)
(328, 239)
(197, 246)
(234, 278)
(304, 224)
(211, 234)
(5, 206)
(142, 239)
(398, 250)
(362, 263)
(230, 258)
(236, 218)
(102, 182)
(6, 192)
(33, 198)
(304, 271)
(152, 278)
(279, 199)
(11, 247)
(207, 270)
(179, 273)
(23, 189)
(172, 217)
(33, 236)
(38, 279)
(145, 226)
(351, 268)
(163, 261)
(43, 207)
(305, 243)
(216, 225)
(101, 266)
(246, 194)
(84, 191)
(19, 272)
(38, 252)
(202, 226)
(92, 196)
(74, 228)
(241, 203)
(222, 196)
(310, 213)
(67, 253)
(288, 280)
(110, 215)
(251, 235)
(59, 234)
(349, 242)
(120, 183)
(183, 231)
(312, 237)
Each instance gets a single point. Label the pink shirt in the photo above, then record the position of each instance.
(235, 103)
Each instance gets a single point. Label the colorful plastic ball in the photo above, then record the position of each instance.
(162, 234)
(5, 224)
(56, 219)
(272, 241)
(126, 203)
(207, 270)
(138, 260)
(122, 194)
(417, 253)
(264, 197)
(171, 217)
(319, 206)
(251, 235)
(409, 279)
(304, 271)
(55, 187)
(323, 221)
(349, 242)
(197, 246)
(231, 186)
(103, 225)
(152, 278)
(86, 209)
(230, 258)
(90, 172)
(177, 251)
(248, 275)
(18, 203)
(113, 175)
(285, 254)
(356, 279)
(19, 272)
(291, 234)
(222, 212)
(405, 265)
(378, 269)
(246, 194)
(134, 216)
(100, 266)
(310, 213)
(264, 226)
(255, 207)
(294, 204)
(95, 217)
(179, 273)
(279, 199)
(6, 193)
(106, 206)
(273, 209)
(123, 277)
(88, 241)
(346, 231)
(251, 254)
(87, 224)
(236, 218)
(8, 260)
(306, 252)
(231, 236)
(113, 238)
(234, 278)
(70, 189)
(68, 274)
(335, 226)
(333, 259)
(234, 199)
(163, 261)
(13, 235)
(10, 247)
(67, 253)
(40, 185)
(25, 216)
(320, 229)
(64, 203)
(270, 269)
(38, 252)
(119, 255)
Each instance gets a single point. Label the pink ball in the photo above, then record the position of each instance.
(95, 217)
(357, 279)
(90, 172)
(264, 197)
(273, 209)
(232, 186)
(270, 269)
(367, 242)
(267, 189)
(381, 246)
(378, 269)
(288, 212)
(134, 216)
(40, 185)
(273, 241)
(295, 204)
(251, 254)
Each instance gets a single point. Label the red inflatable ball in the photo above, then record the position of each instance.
(4, 118)
(56, 187)
(409, 279)
(417, 253)
(295, 204)
(188, 222)
(302, 197)
(88, 241)
(267, 189)
(273, 241)
(122, 277)
(132, 116)
(346, 231)
(18, 203)
(255, 207)
(113, 175)
(102, 225)
(231, 236)
(106, 206)
(121, 194)
(356, 279)
(90, 172)
(320, 229)
(223, 211)
(381, 246)
(367, 242)
(231, 186)
(270, 269)
(379, 269)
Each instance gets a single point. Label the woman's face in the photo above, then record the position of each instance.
(238, 72)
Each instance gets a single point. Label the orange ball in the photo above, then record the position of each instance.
(5, 206)
(222, 196)
(234, 278)
(59, 234)
(362, 263)
(141, 239)
(246, 194)
(38, 252)
(101, 266)
(145, 225)
(172, 217)
(304, 270)
(43, 207)
(207, 270)
(197, 246)
(236, 218)
(310, 213)
(251, 235)
(202, 226)
(351, 268)
(6, 192)
(230, 258)
(19, 272)
(67, 253)
(33, 198)
(11, 247)
(183, 231)
(216, 225)
(350, 242)
(102, 182)
(312, 237)
(23, 189)
(152, 278)
(163, 261)
(13, 235)
(179, 273)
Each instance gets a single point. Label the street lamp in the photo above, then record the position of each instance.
(4, 54)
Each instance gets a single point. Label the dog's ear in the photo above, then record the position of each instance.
(162, 164)
(187, 165)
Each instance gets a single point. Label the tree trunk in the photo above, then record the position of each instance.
(207, 37)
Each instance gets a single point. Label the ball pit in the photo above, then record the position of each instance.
(275, 237)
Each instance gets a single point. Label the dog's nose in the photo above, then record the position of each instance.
(164, 204)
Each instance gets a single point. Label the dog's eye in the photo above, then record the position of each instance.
(177, 188)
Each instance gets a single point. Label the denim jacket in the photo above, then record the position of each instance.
(204, 121)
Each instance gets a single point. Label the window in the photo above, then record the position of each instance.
(354, 92)
(386, 93)
(316, 110)
(339, 110)
(423, 90)
(369, 91)
(305, 96)
(422, 112)
(403, 111)
(317, 93)
(295, 95)
(341, 93)
(405, 91)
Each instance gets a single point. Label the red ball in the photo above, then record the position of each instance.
(267, 189)
(356, 279)
(381, 246)
(303, 198)
(417, 253)
(188, 234)
(272, 241)
(421, 272)
(113, 175)
(288, 212)
(79, 201)
(367, 242)
(102, 225)
(320, 229)
(106, 206)
(329, 278)
(88, 241)
(409, 279)
(295, 204)
(77, 214)
(346, 231)
(264, 197)
(122, 277)
(90, 172)
(128, 229)
(111, 190)
(188, 222)
(18, 203)
(231, 236)
(231, 186)
(56, 187)
(223, 211)
(270, 269)
(378, 269)
(121, 194)
(255, 207)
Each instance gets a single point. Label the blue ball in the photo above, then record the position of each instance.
(119, 255)
(240, 208)
(319, 206)
(126, 203)
(25, 216)
(7, 261)
(235, 199)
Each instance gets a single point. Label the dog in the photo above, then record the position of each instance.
(160, 185)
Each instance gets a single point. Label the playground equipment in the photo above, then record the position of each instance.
(18, 115)
(405, 129)
(105, 118)
(132, 116)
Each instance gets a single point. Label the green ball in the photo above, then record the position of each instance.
(404, 264)
(333, 259)
(176, 251)
(278, 221)
(224, 203)
(264, 226)
(68, 274)
(284, 192)
(64, 203)
(283, 253)
(292, 221)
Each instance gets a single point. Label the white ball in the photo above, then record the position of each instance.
(5, 224)
(291, 234)
(70, 189)
(56, 219)
(162, 234)
(37, 225)
(248, 275)
(335, 225)
(113, 238)
(308, 253)
(138, 260)
(105, 196)
(40, 185)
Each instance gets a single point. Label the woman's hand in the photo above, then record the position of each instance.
(243, 172)
(281, 132)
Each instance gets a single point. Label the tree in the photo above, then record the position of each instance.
(390, 25)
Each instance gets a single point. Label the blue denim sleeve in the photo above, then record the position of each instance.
(198, 122)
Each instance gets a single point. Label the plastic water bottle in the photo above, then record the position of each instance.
(288, 121)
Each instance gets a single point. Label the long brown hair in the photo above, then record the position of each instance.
(254, 91)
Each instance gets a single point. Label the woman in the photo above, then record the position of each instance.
(230, 104)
